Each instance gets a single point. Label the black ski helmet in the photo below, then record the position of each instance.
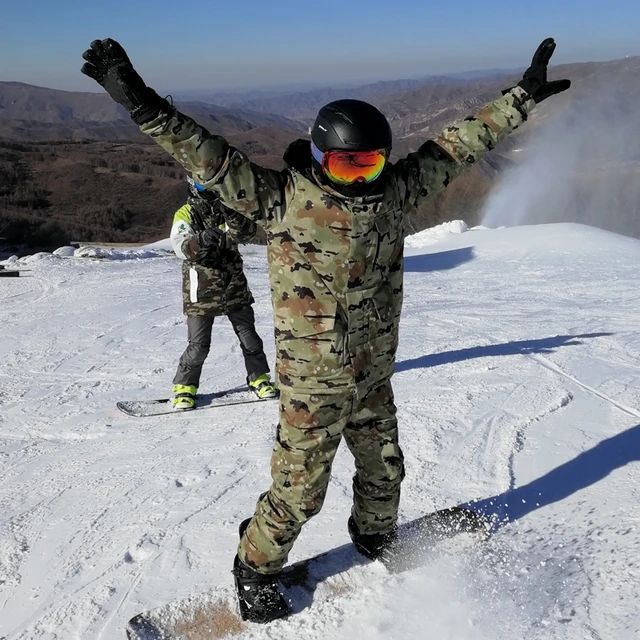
(351, 125)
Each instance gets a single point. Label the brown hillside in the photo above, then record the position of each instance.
(54, 193)
(77, 168)
(36, 113)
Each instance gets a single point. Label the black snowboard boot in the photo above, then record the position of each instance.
(243, 525)
(259, 596)
(371, 545)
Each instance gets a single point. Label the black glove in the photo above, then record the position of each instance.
(534, 80)
(108, 64)
(210, 238)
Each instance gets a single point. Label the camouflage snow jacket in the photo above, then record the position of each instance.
(335, 263)
(213, 283)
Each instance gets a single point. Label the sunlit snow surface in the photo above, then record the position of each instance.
(517, 384)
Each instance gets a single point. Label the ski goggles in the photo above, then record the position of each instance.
(348, 167)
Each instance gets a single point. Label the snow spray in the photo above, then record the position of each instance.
(580, 163)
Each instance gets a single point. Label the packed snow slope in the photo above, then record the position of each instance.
(517, 384)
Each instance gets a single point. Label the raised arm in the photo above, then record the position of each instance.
(431, 168)
(436, 163)
(247, 188)
(255, 192)
(239, 228)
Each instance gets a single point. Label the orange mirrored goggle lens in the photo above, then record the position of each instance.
(348, 167)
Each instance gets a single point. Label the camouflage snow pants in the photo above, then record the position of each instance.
(309, 432)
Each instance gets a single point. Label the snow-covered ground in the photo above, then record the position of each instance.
(518, 384)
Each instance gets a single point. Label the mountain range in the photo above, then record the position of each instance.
(73, 165)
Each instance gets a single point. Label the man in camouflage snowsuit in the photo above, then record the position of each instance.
(336, 270)
(205, 234)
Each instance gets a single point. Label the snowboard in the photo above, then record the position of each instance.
(214, 616)
(161, 406)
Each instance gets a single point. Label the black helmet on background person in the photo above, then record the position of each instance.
(198, 191)
(351, 125)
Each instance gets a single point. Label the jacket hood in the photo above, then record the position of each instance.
(298, 157)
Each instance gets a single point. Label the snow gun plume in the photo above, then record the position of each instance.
(580, 166)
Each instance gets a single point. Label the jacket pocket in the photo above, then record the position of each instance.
(312, 347)
(389, 237)
(301, 319)
(205, 286)
(374, 362)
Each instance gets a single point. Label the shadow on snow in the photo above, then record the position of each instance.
(519, 347)
(441, 261)
(583, 471)
(586, 469)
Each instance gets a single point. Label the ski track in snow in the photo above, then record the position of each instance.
(519, 355)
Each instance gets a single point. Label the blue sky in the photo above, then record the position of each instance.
(238, 44)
